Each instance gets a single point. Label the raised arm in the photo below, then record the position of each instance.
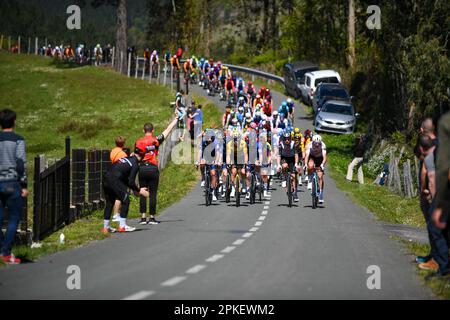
(170, 128)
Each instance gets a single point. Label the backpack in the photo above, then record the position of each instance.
(316, 150)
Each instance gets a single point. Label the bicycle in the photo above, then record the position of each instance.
(315, 189)
(208, 190)
(255, 188)
(290, 189)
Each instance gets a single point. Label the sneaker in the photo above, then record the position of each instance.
(300, 183)
(11, 259)
(309, 185)
(202, 184)
(143, 221)
(421, 259)
(153, 221)
(214, 198)
(306, 179)
(244, 190)
(321, 198)
(283, 184)
(295, 197)
(430, 265)
(247, 196)
(127, 229)
(266, 194)
(108, 230)
(116, 218)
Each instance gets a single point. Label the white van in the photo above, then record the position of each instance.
(313, 79)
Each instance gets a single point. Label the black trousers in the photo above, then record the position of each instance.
(149, 178)
(115, 189)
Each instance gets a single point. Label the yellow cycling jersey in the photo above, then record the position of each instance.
(236, 153)
(299, 143)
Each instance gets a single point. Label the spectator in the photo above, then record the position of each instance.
(358, 157)
(197, 117)
(148, 169)
(438, 260)
(116, 154)
(441, 213)
(13, 182)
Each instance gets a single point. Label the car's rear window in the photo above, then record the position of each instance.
(326, 80)
(334, 92)
(338, 108)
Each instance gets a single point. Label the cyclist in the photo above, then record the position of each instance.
(226, 118)
(265, 159)
(187, 68)
(291, 110)
(288, 159)
(267, 108)
(180, 111)
(154, 60)
(98, 53)
(254, 160)
(257, 100)
(224, 74)
(209, 158)
(237, 157)
(284, 110)
(262, 92)
(316, 158)
(240, 86)
(175, 62)
(250, 90)
(299, 149)
(229, 87)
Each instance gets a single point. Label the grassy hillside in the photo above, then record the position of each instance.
(92, 106)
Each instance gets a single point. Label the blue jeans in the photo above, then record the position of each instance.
(11, 198)
(438, 242)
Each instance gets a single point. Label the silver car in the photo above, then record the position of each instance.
(337, 117)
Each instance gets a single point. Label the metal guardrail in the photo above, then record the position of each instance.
(256, 73)
(251, 71)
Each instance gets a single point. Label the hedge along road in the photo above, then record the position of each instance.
(263, 251)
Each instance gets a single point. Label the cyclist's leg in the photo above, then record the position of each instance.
(214, 177)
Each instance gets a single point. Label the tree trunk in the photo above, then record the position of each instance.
(121, 35)
(351, 33)
(274, 25)
(265, 33)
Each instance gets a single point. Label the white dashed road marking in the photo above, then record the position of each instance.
(253, 229)
(173, 282)
(264, 212)
(215, 257)
(140, 295)
(238, 242)
(228, 249)
(247, 235)
(196, 269)
(262, 218)
(266, 207)
(258, 223)
(267, 202)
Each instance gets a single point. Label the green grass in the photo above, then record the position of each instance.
(386, 206)
(92, 105)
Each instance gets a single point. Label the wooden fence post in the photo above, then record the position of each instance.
(121, 62)
(137, 67)
(36, 46)
(165, 72)
(151, 72)
(143, 68)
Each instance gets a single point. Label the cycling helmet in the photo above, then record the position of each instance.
(241, 109)
(219, 64)
(248, 115)
(241, 98)
(250, 83)
(202, 60)
(275, 113)
(287, 134)
(307, 132)
(258, 96)
(234, 121)
(284, 104)
(297, 131)
(289, 101)
(317, 138)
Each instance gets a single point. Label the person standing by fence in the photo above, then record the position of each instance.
(116, 154)
(358, 158)
(13, 182)
(148, 169)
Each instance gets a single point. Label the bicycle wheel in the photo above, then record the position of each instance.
(207, 189)
(314, 192)
(227, 189)
(237, 186)
(289, 188)
(252, 189)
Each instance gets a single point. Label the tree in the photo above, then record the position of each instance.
(351, 33)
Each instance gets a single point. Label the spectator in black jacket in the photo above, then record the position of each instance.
(13, 182)
(358, 157)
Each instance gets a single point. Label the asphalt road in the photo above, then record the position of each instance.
(261, 251)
